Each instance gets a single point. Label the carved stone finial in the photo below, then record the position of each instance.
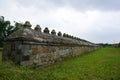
(27, 24)
(46, 30)
(75, 37)
(72, 37)
(59, 33)
(67, 35)
(37, 28)
(53, 32)
(64, 35)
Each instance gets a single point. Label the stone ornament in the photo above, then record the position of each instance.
(46, 30)
(59, 33)
(53, 32)
(27, 24)
(38, 28)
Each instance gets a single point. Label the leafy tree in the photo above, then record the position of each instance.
(5, 28)
(18, 25)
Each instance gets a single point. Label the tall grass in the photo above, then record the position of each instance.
(103, 64)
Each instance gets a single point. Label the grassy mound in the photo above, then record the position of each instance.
(103, 64)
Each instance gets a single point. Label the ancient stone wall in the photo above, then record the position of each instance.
(29, 47)
(42, 54)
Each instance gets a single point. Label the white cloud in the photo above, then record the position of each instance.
(94, 25)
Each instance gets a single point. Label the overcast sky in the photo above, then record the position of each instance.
(94, 20)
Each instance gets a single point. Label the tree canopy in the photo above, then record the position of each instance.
(6, 28)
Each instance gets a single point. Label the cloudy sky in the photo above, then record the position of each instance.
(94, 20)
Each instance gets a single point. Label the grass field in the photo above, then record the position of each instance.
(103, 64)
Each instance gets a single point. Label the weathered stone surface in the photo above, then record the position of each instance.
(29, 47)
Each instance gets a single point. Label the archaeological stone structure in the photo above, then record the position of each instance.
(30, 47)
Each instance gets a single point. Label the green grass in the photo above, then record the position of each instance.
(103, 64)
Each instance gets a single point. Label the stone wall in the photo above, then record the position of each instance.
(30, 47)
(41, 54)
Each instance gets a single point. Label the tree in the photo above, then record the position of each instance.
(119, 44)
(18, 25)
(5, 28)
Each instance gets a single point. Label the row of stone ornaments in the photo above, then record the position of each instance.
(53, 32)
